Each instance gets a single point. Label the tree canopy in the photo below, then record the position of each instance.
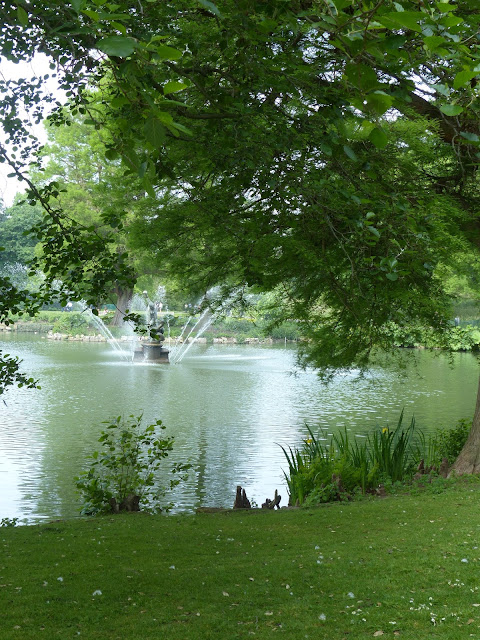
(324, 149)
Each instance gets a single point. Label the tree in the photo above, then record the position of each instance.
(15, 223)
(95, 193)
(265, 131)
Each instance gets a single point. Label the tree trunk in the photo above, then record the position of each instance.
(468, 460)
(124, 297)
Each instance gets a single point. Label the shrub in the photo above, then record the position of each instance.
(447, 443)
(122, 476)
(71, 322)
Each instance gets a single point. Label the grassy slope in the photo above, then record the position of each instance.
(390, 565)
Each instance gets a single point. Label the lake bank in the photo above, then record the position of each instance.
(75, 326)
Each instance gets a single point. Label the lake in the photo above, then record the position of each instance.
(229, 408)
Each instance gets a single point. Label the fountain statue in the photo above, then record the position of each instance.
(152, 349)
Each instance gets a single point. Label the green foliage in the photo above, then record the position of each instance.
(71, 322)
(447, 443)
(360, 465)
(126, 467)
(211, 117)
(18, 245)
(465, 338)
(11, 375)
(8, 522)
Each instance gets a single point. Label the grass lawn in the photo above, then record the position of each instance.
(406, 567)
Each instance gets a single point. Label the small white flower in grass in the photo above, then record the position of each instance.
(60, 579)
(172, 566)
(97, 592)
(350, 594)
(464, 560)
(322, 617)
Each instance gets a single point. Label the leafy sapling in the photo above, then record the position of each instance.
(122, 476)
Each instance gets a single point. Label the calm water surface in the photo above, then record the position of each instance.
(229, 408)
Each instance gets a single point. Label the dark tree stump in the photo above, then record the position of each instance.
(443, 471)
(130, 503)
(271, 504)
(241, 500)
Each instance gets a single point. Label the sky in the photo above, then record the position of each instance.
(8, 70)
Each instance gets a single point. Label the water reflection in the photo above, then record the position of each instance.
(229, 408)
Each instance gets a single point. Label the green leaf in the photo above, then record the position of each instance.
(211, 7)
(22, 16)
(361, 76)
(471, 137)
(451, 21)
(365, 129)
(463, 77)
(379, 102)
(374, 230)
(350, 152)
(168, 53)
(93, 15)
(118, 46)
(120, 27)
(392, 276)
(407, 19)
(77, 5)
(111, 154)
(379, 138)
(172, 87)
(154, 132)
(451, 109)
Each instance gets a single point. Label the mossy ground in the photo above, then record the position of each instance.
(404, 566)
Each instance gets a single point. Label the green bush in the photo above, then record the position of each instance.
(456, 339)
(447, 443)
(122, 476)
(288, 330)
(71, 323)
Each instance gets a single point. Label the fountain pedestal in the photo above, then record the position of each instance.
(154, 352)
(151, 351)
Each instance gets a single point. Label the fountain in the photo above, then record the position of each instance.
(104, 330)
(181, 348)
(152, 349)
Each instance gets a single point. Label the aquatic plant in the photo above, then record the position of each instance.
(340, 466)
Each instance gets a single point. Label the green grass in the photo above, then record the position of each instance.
(407, 566)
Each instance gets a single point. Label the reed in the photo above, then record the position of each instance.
(388, 455)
